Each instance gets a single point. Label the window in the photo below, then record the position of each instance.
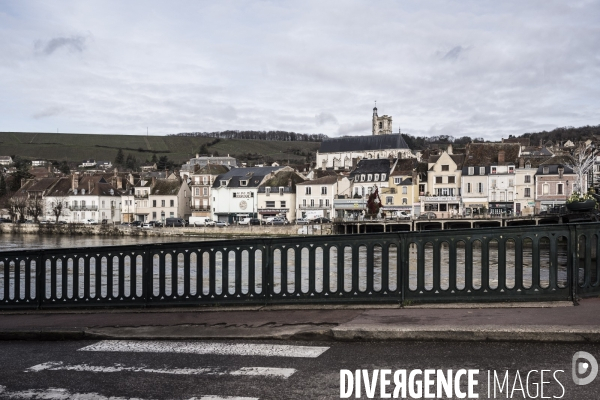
(362, 177)
(303, 202)
(223, 183)
(383, 177)
(404, 200)
(438, 179)
(493, 184)
(380, 125)
(527, 192)
(561, 172)
(480, 187)
(102, 203)
(204, 180)
(404, 190)
(281, 191)
(270, 204)
(397, 181)
(559, 188)
(312, 202)
(389, 200)
(468, 188)
(471, 170)
(545, 188)
(320, 202)
(326, 202)
(546, 170)
(481, 170)
(154, 215)
(205, 191)
(452, 179)
(197, 191)
(510, 196)
(445, 168)
(283, 204)
(370, 177)
(527, 178)
(493, 170)
(528, 165)
(172, 203)
(493, 196)
(376, 177)
(172, 214)
(323, 189)
(511, 183)
(162, 203)
(511, 169)
(308, 190)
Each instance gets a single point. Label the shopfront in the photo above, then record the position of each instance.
(502, 209)
(474, 209)
(443, 206)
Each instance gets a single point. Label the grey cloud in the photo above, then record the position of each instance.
(48, 112)
(73, 44)
(454, 54)
(325, 118)
(360, 128)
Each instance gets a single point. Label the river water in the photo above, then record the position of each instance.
(199, 269)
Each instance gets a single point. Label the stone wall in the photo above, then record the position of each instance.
(120, 230)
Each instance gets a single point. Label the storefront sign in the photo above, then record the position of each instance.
(441, 198)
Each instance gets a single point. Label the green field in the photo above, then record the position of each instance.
(77, 147)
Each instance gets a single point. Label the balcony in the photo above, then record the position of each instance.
(140, 196)
(315, 207)
(83, 208)
(200, 208)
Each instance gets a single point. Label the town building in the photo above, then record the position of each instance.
(235, 193)
(402, 191)
(444, 174)
(201, 182)
(525, 185)
(200, 161)
(316, 198)
(277, 195)
(156, 200)
(553, 183)
(88, 163)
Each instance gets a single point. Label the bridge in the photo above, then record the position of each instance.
(514, 263)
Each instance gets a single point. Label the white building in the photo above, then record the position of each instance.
(315, 198)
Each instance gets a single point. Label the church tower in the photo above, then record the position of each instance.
(381, 125)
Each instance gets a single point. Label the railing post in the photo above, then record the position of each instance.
(573, 249)
(147, 269)
(40, 279)
(267, 272)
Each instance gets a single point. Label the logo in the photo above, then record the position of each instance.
(581, 368)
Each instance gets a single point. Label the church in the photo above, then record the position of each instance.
(344, 153)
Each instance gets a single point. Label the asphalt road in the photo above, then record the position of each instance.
(298, 370)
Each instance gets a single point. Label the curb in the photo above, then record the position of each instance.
(534, 334)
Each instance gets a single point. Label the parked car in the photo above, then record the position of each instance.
(104, 222)
(90, 222)
(209, 222)
(137, 224)
(302, 221)
(255, 221)
(221, 223)
(322, 220)
(278, 221)
(147, 225)
(171, 222)
(428, 215)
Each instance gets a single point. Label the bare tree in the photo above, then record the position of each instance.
(582, 161)
(17, 208)
(35, 207)
(58, 206)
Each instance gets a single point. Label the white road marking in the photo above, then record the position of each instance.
(268, 350)
(249, 371)
(64, 394)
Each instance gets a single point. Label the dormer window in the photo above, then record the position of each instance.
(493, 170)
(383, 177)
(244, 183)
(560, 173)
(546, 170)
(376, 177)
(223, 183)
(511, 169)
(268, 191)
(528, 165)
(481, 170)
(362, 177)
(369, 177)
(471, 170)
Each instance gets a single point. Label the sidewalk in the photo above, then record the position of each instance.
(536, 322)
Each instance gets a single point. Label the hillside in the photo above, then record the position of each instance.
(77, 147)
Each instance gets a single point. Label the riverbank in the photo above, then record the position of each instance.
(206, 232)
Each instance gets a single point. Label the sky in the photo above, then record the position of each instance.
(461, 68)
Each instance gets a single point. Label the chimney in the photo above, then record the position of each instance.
(500, 156)
(74, 182)
(521, 162)
(119, 182)
(449, 150)
(153, 181)
(89, 186)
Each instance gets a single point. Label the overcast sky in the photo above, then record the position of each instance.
(477, 68)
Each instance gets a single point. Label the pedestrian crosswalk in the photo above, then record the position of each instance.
(215, 350)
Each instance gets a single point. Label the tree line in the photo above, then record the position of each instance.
(260, 135)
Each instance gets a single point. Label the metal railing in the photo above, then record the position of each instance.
(558, 262)
(83, 208)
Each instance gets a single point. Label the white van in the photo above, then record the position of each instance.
(244, 221)
(198, 221)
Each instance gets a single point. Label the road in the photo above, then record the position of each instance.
(269, 370)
